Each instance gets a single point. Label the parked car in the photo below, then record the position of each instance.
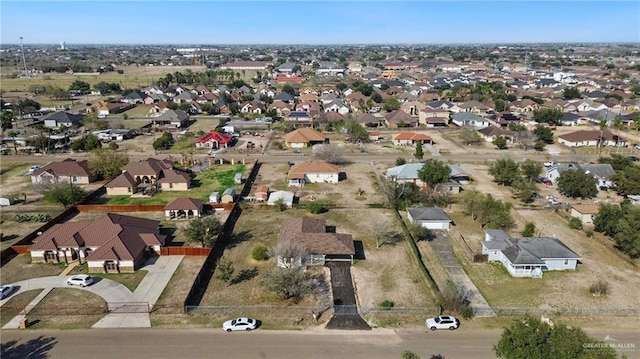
(443, 322)
(634, 158)
(544, 180)
(82, 280)
(33, 169)
(7, 290)
(548, 164)
(241, 323)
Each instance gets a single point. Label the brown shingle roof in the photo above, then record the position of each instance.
(586, 135)
(185, 204)
(312, 167)
(123, 180)
(311, 232)
(67, 167)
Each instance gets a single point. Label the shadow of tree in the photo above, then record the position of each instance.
(237, 238)
(245, 274)
(32, 349)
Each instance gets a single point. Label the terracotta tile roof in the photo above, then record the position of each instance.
(312, 233)
(412, 136)
(221, 138)
(304, 135)
(184, 204)
(67, 167)
(312, 167)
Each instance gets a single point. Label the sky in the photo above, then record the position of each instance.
(317, 22)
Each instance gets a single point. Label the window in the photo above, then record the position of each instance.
(110, 266)
(170, 185)
(566, 262)
(50, 255)
(129, 189)
(74, 179)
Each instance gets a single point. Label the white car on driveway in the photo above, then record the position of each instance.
(7, 290)
(82, 280)
(443, 322)
(241, 323)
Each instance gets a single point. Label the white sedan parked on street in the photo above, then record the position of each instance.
(443, 322)
(241, 323)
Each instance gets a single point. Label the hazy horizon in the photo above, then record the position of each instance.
(315, 23)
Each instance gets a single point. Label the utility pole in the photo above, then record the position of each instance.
(24, 60)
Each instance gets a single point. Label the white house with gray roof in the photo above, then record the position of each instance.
(468, 119)
(429, 218)
(528, 256)
(408, 172)
(601, 171)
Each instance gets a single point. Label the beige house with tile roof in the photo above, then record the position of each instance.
(112, 243)
(304, 137)
(68, 170)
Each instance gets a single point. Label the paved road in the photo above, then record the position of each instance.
(213, 343)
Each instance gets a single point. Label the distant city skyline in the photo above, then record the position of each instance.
(318, 22)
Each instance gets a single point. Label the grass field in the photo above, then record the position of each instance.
(129, 280)
(67, 308)
(65, 80)
(21, 268)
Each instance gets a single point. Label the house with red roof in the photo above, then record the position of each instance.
(411, 138)
(214, 140)
(112, 243)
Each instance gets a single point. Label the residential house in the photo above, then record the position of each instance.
(399, 118)
(316, 245)
(468, 119)
(172, 118)
(522, 106)
(287, 197)
(492, 132)
(62, 118)
(65, 171)
(313, 172)
(583, 138)
(184, 208)
(214, 140)
(528, 256)
(586, 213)
(601, 171)
(368, 120)
(408, 172)
(123, 185)
(304, 137)
(473, 106)
(104, 108)
(112, 243)
(299, 118)
(147, 174)
(338, 106)
(429, 217)
(134, 97)
(411, 138)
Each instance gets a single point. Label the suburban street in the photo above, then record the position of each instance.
(213, 343)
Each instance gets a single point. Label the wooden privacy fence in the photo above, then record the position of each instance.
(120, 207)
(185, 251)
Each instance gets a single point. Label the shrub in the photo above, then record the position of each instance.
(575, 223)
(409, 355)
(316, 207)
(387, 304)
(599, 288)
(27, 217)
(400, 161)
(260, 253)
(456, 301)
(279, 205)
(529, 229)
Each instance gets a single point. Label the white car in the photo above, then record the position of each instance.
(82, 280)
(7, 290)
(549, 164)
(241, 323)
(33, 169)
(443, 322)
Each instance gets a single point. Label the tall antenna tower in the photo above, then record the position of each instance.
(24, 60)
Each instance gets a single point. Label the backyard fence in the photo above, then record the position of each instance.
(120, 208)
(264, 313)
(185, 251)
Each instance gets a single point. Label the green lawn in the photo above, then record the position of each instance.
(215, 178)
(65, 80)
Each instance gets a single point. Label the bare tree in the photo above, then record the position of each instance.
(329, 153)
(527, 140)
(381, 226)
(289, 253)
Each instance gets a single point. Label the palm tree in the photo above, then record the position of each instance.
(603, 127)
(13, 135)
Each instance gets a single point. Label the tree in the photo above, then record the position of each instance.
(6, 120)
(204, 230)
(86, 143)
(328, 153)
(627, 180)
(434, 172)
(471, 202)
(391, 104)
(495, 213)
(544, 134)
(530, 338)
(287, 283)
(13, 135)
(65, 194)
(627, 237)
(79, 86)
(400, 161)
(289, 89)
(470, 137)
(505, 171)
(576, 183)
(225, 271)
(606, 219)
(524, 190)
(419, 154)
(355, 131)
(526, 140)
(107, 163)
(547, 115)
(409, 355)
(500, 142)
(529, 229)
(618, 162)
(530, 170)
(571, 92)
(163, 142)
(500, 105)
